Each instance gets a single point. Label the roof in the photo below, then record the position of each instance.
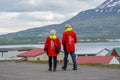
(103, 52)
(88, 51)
(116, 49)
(94, 59)
(32, 53)
(16, 49)
(86, 54)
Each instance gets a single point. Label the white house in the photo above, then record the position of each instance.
(103, 52)
(13, 52)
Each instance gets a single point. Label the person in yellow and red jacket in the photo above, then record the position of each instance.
(69, 39)
(49, 47)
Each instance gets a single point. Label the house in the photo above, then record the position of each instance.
(13, 52)
(103, 52)
(34, 54)
(115, 52)
(97, 59)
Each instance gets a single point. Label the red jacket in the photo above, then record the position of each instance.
(50, 46)
(68, 40)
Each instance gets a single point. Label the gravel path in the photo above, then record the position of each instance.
(29, 71)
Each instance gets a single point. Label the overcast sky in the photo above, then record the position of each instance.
(17, 15)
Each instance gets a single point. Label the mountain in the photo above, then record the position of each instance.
(102, 22)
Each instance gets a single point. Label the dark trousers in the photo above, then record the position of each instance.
(54, 58)
(73, 56)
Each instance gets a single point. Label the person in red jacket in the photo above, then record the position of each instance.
(49, 47)
(69, 40)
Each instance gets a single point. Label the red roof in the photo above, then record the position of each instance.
(32, 53)
(94, 59)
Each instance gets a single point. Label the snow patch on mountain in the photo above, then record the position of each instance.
(108, 6)
(119, 11)
(109, 3)
(114, 4)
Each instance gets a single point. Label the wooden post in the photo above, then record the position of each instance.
(2, 53)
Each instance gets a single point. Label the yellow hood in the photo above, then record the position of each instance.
(68, 29)
(53, 37)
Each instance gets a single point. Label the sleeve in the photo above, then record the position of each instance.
(63, 39)
(75, 36)
(46, 45)
(59, 45)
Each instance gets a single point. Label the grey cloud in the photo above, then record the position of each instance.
(10, 5)
(23, 6)
(25, 17)
(32, 17)
(61, 10)
(13, 5)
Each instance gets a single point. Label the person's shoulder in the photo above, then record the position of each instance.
(64, 32)
(73, 31)
(48, 37)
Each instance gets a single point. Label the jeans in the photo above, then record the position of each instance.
(73, 56)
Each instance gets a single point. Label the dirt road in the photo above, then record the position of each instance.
(30, 71)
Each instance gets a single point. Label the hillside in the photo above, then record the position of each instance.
(103, 22)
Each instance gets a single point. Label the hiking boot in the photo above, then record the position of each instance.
(49, 69)
(75, 68)
(54, 69)
(63, 68)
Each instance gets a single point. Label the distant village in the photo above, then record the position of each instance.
(99, 40)
(104, 56)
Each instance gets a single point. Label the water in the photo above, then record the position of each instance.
(25, 45)
(81, 48)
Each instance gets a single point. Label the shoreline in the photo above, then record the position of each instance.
(77, 42)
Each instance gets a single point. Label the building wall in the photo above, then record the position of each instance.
(12, 53)
(31, 58)
(43, 57)
(114, 61)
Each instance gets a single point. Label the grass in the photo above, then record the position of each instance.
(102, 65)
(23, 61)
(88, 65)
